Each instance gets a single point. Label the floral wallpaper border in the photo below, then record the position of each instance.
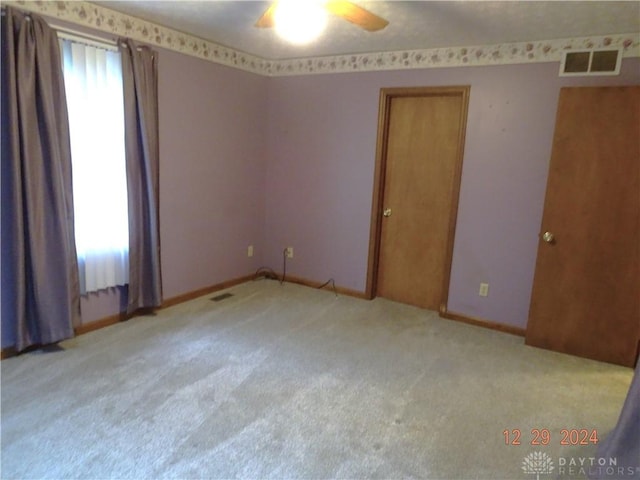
(502, 54)
(119, 24)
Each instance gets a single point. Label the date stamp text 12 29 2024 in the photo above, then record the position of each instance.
(543, 436)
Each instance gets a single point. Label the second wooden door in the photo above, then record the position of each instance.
(586, 290)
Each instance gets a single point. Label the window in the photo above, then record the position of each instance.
(93, 84)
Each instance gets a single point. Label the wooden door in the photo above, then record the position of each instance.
(586, 290)
(422, 138)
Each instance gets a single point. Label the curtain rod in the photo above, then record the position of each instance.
(78, 36)
(75, 35)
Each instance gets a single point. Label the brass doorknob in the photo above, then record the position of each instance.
(548, 237)
(387, 212)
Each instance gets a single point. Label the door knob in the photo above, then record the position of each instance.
(387, 212)
(548, 237)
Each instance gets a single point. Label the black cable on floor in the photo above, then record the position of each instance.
(333, 284)
(269, 273)
(266, 272)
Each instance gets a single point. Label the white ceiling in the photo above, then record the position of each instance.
(412, 24)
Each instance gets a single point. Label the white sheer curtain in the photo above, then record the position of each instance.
(93, 85)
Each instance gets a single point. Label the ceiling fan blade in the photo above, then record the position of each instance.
(356, 15)
(266, 20)
(342, 8)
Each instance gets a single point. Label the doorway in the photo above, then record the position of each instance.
(419, 155)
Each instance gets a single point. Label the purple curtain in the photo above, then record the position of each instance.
(40, 290)
(140, 85)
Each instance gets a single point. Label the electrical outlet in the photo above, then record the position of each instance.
(484, 290)
(250, 251)
(289, 252)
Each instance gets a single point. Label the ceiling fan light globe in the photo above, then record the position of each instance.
(300, 21)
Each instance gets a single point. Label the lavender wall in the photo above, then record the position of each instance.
(322, 135)
(289, 161)
(212, 144)
(212, 172)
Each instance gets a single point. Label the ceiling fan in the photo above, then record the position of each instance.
(341, 8)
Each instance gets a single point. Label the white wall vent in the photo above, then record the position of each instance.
(601, 61)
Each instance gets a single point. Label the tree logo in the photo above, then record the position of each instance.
(537, 463)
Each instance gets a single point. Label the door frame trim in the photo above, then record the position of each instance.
(384, 110)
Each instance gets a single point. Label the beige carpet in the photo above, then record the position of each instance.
(291, 382)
